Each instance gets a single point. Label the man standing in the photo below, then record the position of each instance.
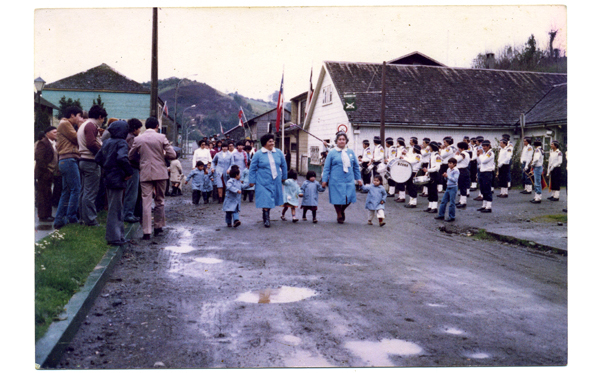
(133, 183)
(367, 155)
(88, 137)
(46, 162)
(487, 165)
(526, 158)
(152, 148)
(68, 155)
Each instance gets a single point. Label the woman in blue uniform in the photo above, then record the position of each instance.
(268, 170)
(340, 171)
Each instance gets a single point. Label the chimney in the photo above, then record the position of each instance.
(490, 61)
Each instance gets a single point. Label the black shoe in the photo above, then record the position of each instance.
(427, 209)
(478, 198)
(481, 209)
(410, 206)
(229, 225)
(472, 189)
(525, 192)
(157, 231)
(438, 217)
(132, 220)
(266, 219)
(486, 210)
(147, 236)
(502, 195)
(237, 223)
(564, 210)
(535, 201)
(449, 220)
(49, 219)
(461, 206)
(433, 211)
(118, 243)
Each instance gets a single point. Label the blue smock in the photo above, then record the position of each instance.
(268, 191)
(342, 190)
(310, 191)
(233, 199)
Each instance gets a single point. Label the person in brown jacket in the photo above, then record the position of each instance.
(152, 148)
(46, 163)
(68, 156)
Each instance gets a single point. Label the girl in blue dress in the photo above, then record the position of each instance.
(340, 170)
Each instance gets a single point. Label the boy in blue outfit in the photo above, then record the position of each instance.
(207, 184)
(309, 191)
(451, 175)
(198, 177)
(376, 200)
(233, 198)
(247, 190)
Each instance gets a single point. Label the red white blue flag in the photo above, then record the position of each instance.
(240, 114)
(279, 106)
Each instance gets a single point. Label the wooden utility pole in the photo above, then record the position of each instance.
(382, 126)
(154, 78)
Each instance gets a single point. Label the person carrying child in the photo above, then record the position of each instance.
(291, 192)
(376, 200)
(451, 175)
(233, 197)
(197, 176)
(309, 191)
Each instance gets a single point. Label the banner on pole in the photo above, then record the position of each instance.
(349, 102)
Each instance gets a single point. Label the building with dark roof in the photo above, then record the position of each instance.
(424, 101)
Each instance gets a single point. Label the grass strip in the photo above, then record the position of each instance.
(482, 234)
(63, 262)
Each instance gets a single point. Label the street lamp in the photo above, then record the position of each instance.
(184, 133)
(176, 93)
(39, 86)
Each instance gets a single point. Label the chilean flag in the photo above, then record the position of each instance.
(240, 114)
(279, 106)
(310, 94)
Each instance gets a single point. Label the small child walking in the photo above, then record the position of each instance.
(309, 191)
(233, 198)
(176, 174)
(376, 200)
(291, 192)
(449, 198)
(247, 190)
(207, 184)
(197, 176)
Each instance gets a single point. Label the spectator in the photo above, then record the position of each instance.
(131, 191)
(152, 148)
(46, 162)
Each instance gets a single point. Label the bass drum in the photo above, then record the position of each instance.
(399, 170)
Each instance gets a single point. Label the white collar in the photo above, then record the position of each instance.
(265, 150)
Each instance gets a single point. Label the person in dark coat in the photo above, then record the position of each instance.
(46, 163)
(113, 157)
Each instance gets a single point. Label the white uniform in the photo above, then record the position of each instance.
(378, 153)
(526, 155)
(391, 152)
(555, 159)
(367, 154)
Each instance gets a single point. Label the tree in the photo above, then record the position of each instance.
(98, 102)
(64, 103)
(274, 96)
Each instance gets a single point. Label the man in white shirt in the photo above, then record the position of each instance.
(504, 157)
(526, 158)
(486, 174)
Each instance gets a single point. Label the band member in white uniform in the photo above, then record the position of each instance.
(554, 173)
(414, 158)
(473, 164)
(463, 160)
(486, 174)
(447, 151)
(401, 187)
(537, 169)
(367, 156)
(390, 153)
(435, 161)
(503, 172)
(526, 158)
(511, 149)
(477, 149)
(425, 156)
(378, 154)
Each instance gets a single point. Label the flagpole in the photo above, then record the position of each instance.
(282, 113)
(247, 124)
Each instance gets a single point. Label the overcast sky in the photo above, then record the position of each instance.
(247, 49)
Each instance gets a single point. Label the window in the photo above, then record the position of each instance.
(327, 95)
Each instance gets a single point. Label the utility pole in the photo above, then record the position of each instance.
(382, 126)
(154, 78)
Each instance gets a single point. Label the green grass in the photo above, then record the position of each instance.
(63, 262)
(562, 218)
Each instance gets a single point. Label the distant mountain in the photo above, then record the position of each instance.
(213, 107)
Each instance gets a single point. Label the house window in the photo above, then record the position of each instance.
(327, 95)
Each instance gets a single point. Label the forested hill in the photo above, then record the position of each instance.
(212, 107)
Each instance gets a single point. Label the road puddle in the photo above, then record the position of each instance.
(183, 249)
(285, 294)
(377, 353)
(292, 339)
(304, 358)
(454, 331)
(208, 260)
(479, 355)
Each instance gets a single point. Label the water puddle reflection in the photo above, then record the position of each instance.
(291, 339)
(304, 358)
(285, 294)
(479, 355)
(377, 353)
(183, 249)
(454, 331)
(208, 260)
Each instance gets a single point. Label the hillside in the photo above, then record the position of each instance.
(213, 107)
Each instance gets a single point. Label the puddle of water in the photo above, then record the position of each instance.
(454, 331)
(435, 305)
(306, 359)
(181, 249)
(208, 260)
(479, 355)
(377, 353)
(285, 294)
(291, 339)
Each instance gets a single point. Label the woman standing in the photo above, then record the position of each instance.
(202, 154)
(340, 172)
(221, 163)
(268, 170)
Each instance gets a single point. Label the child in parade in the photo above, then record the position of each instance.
(309, 191)
(197, 177)
(247, 190)
(207, 184)
(176, 174)
(291, 192)
(451, 175)
(233, 198)
(376, 200)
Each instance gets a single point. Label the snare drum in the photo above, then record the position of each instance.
(421, 180)
(399, 170)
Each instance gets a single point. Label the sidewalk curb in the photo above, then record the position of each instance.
(537, 246)
(50, 348)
